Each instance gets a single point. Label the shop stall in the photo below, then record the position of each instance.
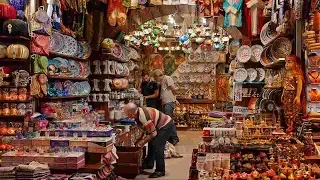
(245, 74)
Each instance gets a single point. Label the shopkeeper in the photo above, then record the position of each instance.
(168, 99)
(149, 90)
(157, 127)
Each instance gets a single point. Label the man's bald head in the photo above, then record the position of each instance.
(130, 110)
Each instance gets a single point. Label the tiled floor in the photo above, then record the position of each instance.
(178, 169)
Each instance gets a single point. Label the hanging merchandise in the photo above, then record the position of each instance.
(15, 27)
(7, 12)
(254, 16)
(19, 5)
(40, 44)
(233, 13)
(41, 22)
(116, 13)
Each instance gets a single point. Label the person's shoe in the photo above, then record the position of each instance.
(157, 175)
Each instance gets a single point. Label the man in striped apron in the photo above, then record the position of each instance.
(157, 128)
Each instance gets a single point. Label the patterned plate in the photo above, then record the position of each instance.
(281, 48)
(188, 68)
(74, 68)
(240, 75)
(252, 74)
(71, 46)
(68, 85)
(206, 78)
(244, 54)
(256, 53)
(80, 50)
(212, 56)
(56, 42)
(234, 46)
(117, 51)
(182, 68)
(85, 87)
(86, 49)
(192, 57)
(261, 74)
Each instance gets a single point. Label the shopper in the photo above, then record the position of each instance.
(158, 128)
(149, 90)
(168, 99)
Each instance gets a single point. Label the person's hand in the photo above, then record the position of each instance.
(297, 100)
(140, 143)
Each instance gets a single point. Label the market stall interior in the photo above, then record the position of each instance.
(244, 74)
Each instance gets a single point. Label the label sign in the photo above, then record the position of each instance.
(242, 110)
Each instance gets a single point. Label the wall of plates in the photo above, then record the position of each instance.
(258, 72)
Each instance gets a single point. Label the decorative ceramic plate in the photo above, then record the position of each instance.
(244, 54)
(202, 57)
(86, 49)
(193, 78)
(182, 68)
(261, 74)
(252, 74)
(234, 46)
(206, 78)
(188, 68)
(119, 68)
(199, 79)
(74, 68)
(86, 87)
(64, 64)
(207, 69)
(71, 46)
(281, 48)
(194, 69)
(117, 51)
(256, 51)
(55, 63)
(68, 85)
(200, 68)
(56, 41)
(268, 33)
(80, 50)
(78, 89)
(192, 57)
(240, 75)
(198, 57)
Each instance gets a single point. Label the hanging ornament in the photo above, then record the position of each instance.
(183, 38)
(165, 27)
(162, 39)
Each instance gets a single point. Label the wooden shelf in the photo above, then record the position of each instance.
(67, 56)
(106, 75)
(14, 38)
(68, 78)
(195, 101)
(257, 83)
(66, 97)
(275, 64)
(14, 101)
(17, 116)
(13, 60)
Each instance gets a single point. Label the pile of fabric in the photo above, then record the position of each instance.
(34, 170)
(7, 173)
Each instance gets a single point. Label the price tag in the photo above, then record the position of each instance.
(242, 110)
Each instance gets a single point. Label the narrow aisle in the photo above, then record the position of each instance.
(178, 169)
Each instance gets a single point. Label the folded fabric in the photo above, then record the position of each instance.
(7, 169)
